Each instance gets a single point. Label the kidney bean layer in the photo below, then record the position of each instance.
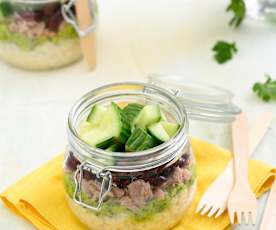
(155, 177)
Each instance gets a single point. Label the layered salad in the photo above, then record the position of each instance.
(148, 200)
(35, 36)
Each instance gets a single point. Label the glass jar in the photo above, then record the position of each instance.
(41, 34)
(261, 9)
(146, 190)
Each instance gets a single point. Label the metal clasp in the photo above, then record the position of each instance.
(105, 187)
(69, 16)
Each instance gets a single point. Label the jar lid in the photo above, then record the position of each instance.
(202, 101)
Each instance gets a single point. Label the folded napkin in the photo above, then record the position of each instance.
(40, 196)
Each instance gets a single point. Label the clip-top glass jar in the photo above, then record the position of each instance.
(146, 190)
(41, 34)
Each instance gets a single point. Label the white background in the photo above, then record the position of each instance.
(135, 38)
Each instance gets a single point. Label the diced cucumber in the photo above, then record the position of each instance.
(149, 114)
(157, 131)
(122, 104)
(6, 8)
(111, 128)
(170, 127)
(132, 110)
(134, 128)
(95, 136)
(118, 147)
(163, 117)
(116, 123)
(96, 115)
(107, 143)
(140, 140)
(149, 143)
(84, 127)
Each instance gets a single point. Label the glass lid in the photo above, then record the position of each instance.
(202, 101)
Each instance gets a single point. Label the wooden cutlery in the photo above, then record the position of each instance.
(242, 202)
(214, 200)
(269, 218)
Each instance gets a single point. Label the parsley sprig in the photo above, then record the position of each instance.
(239, 9)
(224, 51)
(267, 90)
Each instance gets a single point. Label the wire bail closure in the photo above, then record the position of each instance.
(69, 17)
(105, 187)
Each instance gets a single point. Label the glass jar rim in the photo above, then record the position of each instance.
(38, 2)
(164, 149)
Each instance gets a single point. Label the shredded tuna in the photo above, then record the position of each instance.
(117, 192)
(127, 201)
(159, 193)
(92, 188)
(31, 28)
(140, 192)
(179, 175)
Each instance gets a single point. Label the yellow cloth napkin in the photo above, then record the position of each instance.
(40, 197)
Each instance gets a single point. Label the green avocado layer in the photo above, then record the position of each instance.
(25, 43)
(112, 206)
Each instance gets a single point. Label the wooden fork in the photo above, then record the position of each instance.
(242, 201)
(214, 200)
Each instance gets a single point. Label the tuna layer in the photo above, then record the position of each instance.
(135, 191)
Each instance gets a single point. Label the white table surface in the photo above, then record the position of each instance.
(135, 38)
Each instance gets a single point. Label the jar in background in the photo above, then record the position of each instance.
(40, 34)
(149, 190)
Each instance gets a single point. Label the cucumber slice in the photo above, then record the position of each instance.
(106, 143)
(118, 147)
(163, 117)
(140, 140)
(116, 122)
(95, 136)
(6, 8)
(148, 144)
(84, 127)
(122, 104)
(149, 114)
(132, 110)
(157, 131)
(170, 127)
(96, 115)
(112, 127)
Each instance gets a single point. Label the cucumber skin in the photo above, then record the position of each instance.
(117, 147)
(150, 143)
(125, 125)
(170, 128)
(89, 117)
(6, 8)
(107, 143)
(152, 132)
(91, 114)
(140, 140)
(140, 123)
(132, 110)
